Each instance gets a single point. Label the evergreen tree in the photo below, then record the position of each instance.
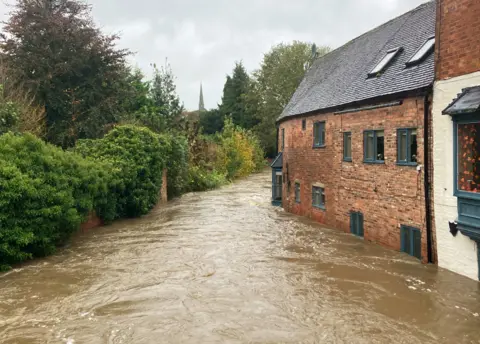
(211, 121)
(165, 98)
(233, 99)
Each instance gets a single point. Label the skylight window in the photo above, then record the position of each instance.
(384, 62)
(422, 52)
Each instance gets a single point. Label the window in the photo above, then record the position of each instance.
(411, 241)
(374, 146)
(347, 146)
(422, 52)
(283, 139)
(277, 186)
(356, 223)
(318, 197)
(304, 124)
(297, 192)
(468, 157)
(319, 134)
(384, 62)
(407, 146)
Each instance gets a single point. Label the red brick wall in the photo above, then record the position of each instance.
(93, 221)
(457, 38)
(387, 194)
(163, 191)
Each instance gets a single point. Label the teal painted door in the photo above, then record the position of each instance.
(411, 241)
(356, 224)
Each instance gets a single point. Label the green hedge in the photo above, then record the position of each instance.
(137, 157)
(45, 193)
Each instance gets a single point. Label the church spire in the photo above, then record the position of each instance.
(201, 105)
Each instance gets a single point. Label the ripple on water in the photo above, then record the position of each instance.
(225, 266)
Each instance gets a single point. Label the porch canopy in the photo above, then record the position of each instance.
(278, 162)
(467, 102)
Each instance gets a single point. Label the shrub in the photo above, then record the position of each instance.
(239, 152)
(177, 164)
(201, 179)
(137, 157)
(45, 193)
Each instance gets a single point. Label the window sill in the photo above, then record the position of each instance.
(467, 195)
(411, 164)
(376, 162)
(347, 159)
(319, 146)
(319, 207)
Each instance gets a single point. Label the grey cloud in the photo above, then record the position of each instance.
(203, 38)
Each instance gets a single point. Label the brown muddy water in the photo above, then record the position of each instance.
(227, 267)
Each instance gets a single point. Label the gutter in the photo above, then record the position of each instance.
(426, 155)
(356, 105)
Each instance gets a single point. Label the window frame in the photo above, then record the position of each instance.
(321, 206)
(304, 124)
(346, 158)
(406, 162)
(283, 139)
(322, 134)
(410, 63)
(411, 245)
(394, 53)
(297, 196)
(375, 148)
(467, 119)
(357, 218)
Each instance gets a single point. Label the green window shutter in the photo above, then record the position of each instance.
(356, 224)
(417, 244)
(360, 225)
(408, 241)
(352, 222)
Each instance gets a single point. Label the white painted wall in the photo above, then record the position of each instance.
(458, 253)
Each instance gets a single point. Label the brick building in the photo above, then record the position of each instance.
(456, 136)
(355, 136)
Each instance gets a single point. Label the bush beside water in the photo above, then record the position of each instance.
(47, 192)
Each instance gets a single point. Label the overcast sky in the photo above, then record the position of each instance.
(202, 39)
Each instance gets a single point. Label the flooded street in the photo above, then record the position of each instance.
(226, 267)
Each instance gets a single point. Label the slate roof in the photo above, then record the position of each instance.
(466, 102)
(341, 77)
(278, 162)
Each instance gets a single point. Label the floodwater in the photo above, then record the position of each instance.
(226, 267)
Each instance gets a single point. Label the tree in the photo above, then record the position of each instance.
(233, 99)
(280, 73)
(138, 93)
(211, 121)
(72, 68)
(164, 96)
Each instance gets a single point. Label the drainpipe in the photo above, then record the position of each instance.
(426, 155)
(276, 141)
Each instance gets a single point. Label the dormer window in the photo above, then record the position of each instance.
(380, 67)
(422, 52)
